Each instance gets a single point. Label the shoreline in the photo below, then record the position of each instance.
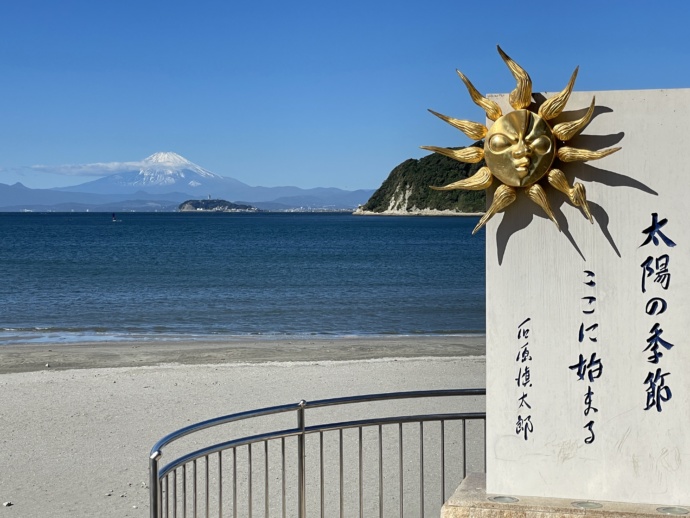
(417, 212)
(102, 354)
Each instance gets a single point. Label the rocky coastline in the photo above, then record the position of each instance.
(416, 212)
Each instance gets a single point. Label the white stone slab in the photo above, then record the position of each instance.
(638, 455)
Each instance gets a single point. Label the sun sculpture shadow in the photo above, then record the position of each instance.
(521, 146)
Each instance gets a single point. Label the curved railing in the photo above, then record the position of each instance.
(364, 462)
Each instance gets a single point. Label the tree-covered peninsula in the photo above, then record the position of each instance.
(407, 188)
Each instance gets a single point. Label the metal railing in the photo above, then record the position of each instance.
(357, 466)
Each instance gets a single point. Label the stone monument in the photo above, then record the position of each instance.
(587, 395)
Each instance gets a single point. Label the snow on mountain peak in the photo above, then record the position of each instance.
(167, 157)
(163, 167)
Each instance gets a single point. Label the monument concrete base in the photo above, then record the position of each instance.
(471, 500)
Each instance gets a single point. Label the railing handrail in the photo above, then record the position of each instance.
(217, 421)
(279, 434)
(239, 416)
(386, 396)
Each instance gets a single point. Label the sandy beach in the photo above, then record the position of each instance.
(75, 435)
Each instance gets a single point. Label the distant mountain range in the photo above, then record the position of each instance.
(164, 180)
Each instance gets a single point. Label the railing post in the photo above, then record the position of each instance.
(301, 475)
(154, 487)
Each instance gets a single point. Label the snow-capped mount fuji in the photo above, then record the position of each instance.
(165, 179)
(168, 168)
(161, 172)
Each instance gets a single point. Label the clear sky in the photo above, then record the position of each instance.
(314, 93)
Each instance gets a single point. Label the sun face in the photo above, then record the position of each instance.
(521, 147)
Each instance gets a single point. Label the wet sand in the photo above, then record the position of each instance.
(30, 358)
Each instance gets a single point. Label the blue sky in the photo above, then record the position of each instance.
(310, 93)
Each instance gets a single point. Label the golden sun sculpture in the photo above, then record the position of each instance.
(521, 146)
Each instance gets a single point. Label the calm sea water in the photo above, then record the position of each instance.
(80, 276)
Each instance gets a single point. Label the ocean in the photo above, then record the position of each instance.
(71, 277)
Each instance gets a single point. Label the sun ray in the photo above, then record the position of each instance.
(576, 194)
(493, 111)
(571, 154)
(504, 196)
(521, 97)
(537, 195)
(481, 180)
(471, 154)
(474, 130)
(553, 107)
(567, 130)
